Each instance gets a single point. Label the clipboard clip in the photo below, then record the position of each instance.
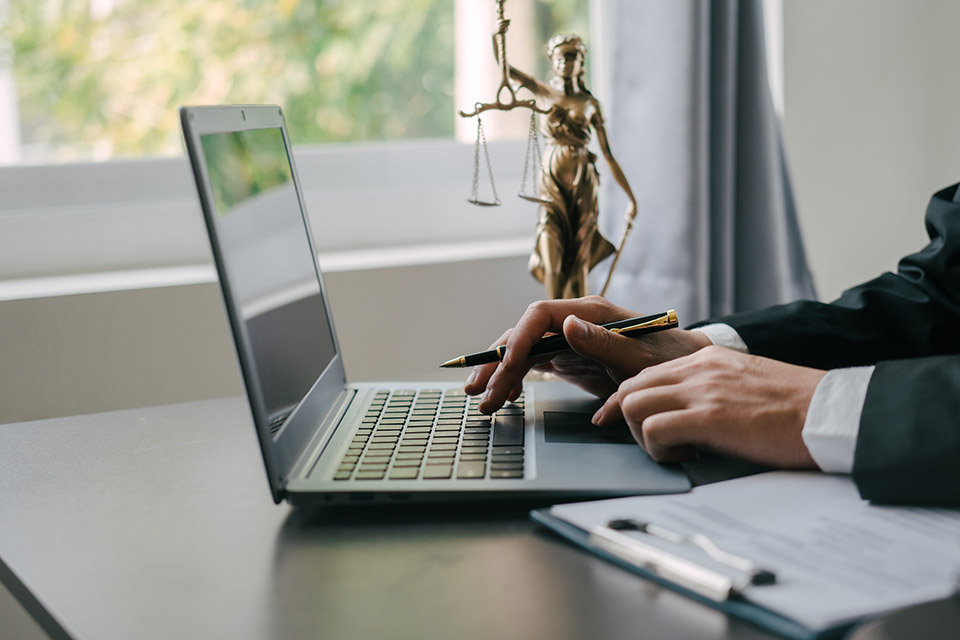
(710, 583)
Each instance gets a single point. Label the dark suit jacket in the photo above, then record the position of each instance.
(908, 325)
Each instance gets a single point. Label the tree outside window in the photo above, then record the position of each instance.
(99, 79)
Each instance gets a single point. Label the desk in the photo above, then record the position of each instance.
(158, 523)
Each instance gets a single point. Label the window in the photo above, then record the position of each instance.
(88, 98)
(103, 78)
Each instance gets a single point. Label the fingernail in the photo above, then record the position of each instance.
(471, 378)
(597, 416)
(579, 328)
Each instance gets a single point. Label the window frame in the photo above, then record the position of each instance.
(368, 203)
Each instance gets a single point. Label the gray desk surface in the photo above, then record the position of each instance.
(157, 523)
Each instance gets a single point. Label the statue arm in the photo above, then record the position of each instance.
(597, 121)
(527, 81)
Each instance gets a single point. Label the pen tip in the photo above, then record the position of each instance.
(456, 362)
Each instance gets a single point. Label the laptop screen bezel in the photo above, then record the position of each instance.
(281, 452)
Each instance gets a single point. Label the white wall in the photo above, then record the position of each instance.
(872, 127)
(121, 349)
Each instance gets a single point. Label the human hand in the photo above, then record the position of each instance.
(741, 405)
(598, 362)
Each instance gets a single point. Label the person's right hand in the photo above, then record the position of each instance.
(598, 362)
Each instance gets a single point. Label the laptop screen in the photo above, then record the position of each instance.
(268, 259)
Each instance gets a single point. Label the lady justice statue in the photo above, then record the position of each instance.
(568, 242)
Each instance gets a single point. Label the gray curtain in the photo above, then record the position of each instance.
(691, 121)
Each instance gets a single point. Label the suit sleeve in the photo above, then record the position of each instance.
(908, 325)
(908, 447)
(910, 314)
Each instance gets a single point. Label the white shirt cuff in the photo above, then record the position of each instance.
(833, 418)
(723, 335)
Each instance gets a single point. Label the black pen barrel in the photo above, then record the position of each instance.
(557, 342)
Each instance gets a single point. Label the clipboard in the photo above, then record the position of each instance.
(838, 558)
(725, 598)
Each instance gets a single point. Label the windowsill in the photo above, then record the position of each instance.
(331, 262)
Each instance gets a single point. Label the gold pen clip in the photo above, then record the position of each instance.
(669, 319)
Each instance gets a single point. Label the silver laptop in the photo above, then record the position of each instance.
(326, 440)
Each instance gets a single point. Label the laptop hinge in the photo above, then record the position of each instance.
(323, 434)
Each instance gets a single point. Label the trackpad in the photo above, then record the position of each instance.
(564, 426)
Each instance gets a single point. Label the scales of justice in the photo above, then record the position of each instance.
(568, 242)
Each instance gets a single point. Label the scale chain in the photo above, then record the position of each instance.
(475, 191)
(533, 140)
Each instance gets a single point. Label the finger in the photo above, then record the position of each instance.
(548, 316)
(596, 343)
(477, 380)
(609, 413)
(540, 317)
(667, 375)
(639, 406)
(666, 434)
(501, 385)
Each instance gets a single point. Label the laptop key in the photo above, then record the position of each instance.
(420, 448)
(508, 430)
(404, 473)
(471, 470)
(468, 449)
(437, 472)
(507, 474)
(417, 429)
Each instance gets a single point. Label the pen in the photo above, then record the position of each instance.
(555, 343)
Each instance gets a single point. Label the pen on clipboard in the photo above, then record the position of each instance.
(679, 570)
(631, 327)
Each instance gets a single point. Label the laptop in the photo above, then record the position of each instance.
(325, 440)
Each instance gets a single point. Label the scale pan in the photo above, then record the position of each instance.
(533, 199)
(483, 203)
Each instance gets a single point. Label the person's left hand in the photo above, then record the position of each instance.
(736, 404)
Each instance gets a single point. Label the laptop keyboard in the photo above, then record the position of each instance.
(434, 435)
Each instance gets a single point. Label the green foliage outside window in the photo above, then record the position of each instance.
(106, 82)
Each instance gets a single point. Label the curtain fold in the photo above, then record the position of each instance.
(691, 121)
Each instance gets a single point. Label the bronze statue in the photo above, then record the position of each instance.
(568, 242)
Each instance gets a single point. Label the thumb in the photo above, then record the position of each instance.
(595, 343)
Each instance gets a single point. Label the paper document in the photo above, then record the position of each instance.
(836, 557)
